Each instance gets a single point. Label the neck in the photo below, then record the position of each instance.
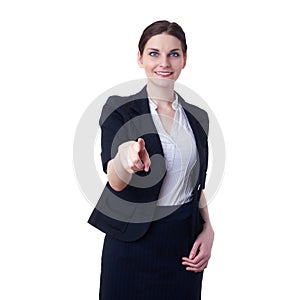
(161, 93)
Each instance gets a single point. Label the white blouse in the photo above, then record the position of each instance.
(179, 149)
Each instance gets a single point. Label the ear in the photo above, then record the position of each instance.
(140, 59)
(184, 60)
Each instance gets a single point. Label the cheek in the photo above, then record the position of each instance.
(150, 65)
(179, 65)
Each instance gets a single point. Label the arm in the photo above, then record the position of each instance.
(121, 156)
(201, 250)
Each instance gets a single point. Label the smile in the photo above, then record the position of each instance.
(163, 74)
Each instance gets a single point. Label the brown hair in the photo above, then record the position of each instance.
(160, 27)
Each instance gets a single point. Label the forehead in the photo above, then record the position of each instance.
(163, 42)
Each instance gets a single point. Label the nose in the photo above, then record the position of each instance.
(164, 62)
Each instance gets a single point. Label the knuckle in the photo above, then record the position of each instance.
(131, 164)
(135, 161)
(131, 167)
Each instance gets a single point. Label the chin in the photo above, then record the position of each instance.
(162, 82)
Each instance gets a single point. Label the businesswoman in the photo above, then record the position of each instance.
(153, 210)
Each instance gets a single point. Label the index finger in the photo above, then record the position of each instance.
(141, 144)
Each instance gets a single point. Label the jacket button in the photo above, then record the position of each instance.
(198, 188)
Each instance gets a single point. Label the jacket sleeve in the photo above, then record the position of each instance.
(205, 126)
(111, 123)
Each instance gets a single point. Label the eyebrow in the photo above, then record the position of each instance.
(157, 50)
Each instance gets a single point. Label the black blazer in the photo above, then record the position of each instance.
(127, 215)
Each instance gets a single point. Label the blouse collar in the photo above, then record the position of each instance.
(175, 103)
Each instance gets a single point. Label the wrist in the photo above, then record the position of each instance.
(117, 176)
(119, 167)
(208, 227)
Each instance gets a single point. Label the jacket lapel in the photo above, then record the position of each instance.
(200, 134)
(194, 123)
(142, 123)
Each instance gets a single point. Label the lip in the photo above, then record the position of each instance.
(163, 74)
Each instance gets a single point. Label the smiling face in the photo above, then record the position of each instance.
(162, 58)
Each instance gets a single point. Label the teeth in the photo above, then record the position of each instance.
(163, 73)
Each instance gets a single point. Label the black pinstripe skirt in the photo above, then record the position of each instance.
(151, 267)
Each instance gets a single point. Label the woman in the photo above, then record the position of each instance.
(153, 210)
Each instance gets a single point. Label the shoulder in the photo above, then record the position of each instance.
(124, 106)
(117, 101)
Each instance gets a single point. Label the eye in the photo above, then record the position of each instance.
(153, 53)
(174, 54)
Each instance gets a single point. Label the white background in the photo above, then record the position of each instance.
(58, 56)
